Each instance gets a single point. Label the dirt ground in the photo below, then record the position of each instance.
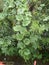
(19, 61)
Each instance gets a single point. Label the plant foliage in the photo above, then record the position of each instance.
(24, 28)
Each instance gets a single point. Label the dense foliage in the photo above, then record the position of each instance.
(24, 28)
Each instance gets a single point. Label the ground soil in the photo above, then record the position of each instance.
(13, 60)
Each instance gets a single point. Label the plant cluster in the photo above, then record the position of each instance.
(24, 28)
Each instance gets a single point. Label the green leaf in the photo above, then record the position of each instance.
(25, 53)
(2, 16)
(1, 41)
(34, 25)
(20, 45)
(19, 36)
(26, 21)
(17, 28)
(42, 28)
(26, 41)
(19, 17)
(46, 18)
(33, 38)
